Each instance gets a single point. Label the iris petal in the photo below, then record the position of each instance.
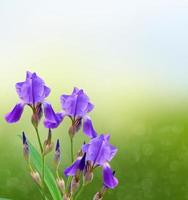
(99, 150)
(71, 171)
(15, 114)
(33, 89)
(52, 119)
(88, 128)
(76, 104)
(109, 180)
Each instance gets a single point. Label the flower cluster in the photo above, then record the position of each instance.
(97, 153)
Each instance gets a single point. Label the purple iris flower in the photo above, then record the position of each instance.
(76, 106)
(98, 152)
(32, 92)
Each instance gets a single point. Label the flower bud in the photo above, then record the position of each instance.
(74, 184)
(57, 155)
(66, 197)
(98, 196)
(36, 177)
(48, 145)
(61, 185)
(76, 124)
(88, 177)
(37, 115)
(25, 147)
(88, 173)
(80, 152)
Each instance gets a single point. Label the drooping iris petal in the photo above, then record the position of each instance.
(71, 171)
(99, 150)
(88, 128)
(15, 114)
(52, 119)
(77, 104)
(109, 180)
(82, 163)
(33, 89)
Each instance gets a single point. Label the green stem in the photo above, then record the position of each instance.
(39, 141)
(57, 171)
(79, 192)
(43, 171)
(43, 162)
(72, 146)
(68, 183)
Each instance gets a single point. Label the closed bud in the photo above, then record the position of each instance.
(66, 197)
(57, 155)
(48, 147)
(88, 173)
(98, 196)
(25, 147)
(61, 185)
(37, 115)
(88, 177)
(76, 124)
(80, 152)
(36, 177)
(48, 144)
(74, 185)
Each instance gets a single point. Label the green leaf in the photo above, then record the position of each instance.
(4, 198)
(49, 177)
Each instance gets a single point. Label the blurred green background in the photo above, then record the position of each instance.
(131, 60)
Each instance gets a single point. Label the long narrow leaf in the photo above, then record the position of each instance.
(49, 177)
(4, 199)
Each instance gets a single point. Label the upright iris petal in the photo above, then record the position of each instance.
(77, 104)
(109, 180)
(33, 89)
(32, 92)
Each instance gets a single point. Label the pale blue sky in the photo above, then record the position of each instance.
(138, 41)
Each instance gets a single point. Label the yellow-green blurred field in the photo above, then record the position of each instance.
(151, 136)
(130, 57)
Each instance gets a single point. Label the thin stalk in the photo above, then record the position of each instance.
(43, 162)
(79, 192)
(72, 159)
(72, 146)
(68, 183)
(43, 170)
(39, 141)
(57, 171)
